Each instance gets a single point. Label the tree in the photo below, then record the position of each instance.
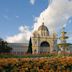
(4, 48)
(30, 46)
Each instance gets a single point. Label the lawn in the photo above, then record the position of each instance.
(33, 55)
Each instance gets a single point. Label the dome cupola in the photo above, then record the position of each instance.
(43, 29)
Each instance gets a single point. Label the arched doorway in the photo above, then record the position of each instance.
(44, 47)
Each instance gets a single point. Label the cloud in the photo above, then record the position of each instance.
(6, 17)
(32, 2)
(70, 39)
(17, 16)
(56, 15)
(23, 35)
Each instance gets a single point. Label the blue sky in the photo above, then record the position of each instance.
(18, 18)
(14, 13)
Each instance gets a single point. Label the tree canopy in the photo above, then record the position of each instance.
(4, 48)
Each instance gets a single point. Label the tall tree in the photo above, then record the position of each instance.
(30, 46)
(4, 48)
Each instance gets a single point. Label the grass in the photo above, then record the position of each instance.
(32, 55)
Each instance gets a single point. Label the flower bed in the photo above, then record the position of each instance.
(63, 64)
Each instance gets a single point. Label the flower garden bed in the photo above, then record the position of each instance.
(62, 64)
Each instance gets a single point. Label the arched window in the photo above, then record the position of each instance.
(44, 47)
(44, 44)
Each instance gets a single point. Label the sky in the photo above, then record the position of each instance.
(19, 18)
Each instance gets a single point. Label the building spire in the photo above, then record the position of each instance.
(43, 22)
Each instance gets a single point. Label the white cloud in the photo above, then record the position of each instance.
(70, 39)
(6, 17)
(32, 2)
(21, 37)
(56, 15)
(17, 16)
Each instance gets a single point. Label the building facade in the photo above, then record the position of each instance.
(42, 41)
(18, 48)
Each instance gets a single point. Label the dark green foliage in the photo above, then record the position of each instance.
(4, 48)
(34, 56)
(30, 47)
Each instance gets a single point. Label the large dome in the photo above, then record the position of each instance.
(43, 28)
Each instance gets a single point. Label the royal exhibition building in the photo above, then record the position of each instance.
(43, 42)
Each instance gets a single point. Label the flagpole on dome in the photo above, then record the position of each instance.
(43, 20)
